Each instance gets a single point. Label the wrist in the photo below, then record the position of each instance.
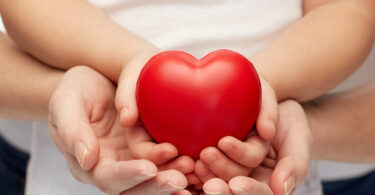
(50, 84)
(264, 72)
(140, 57)
(145, 53)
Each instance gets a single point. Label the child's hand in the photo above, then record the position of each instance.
(280, 173)
(242, 152)
(232, 158)
(140, 143)
(125, 101)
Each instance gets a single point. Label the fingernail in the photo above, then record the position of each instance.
(169, 186)
(145, 175)
(213, 193)
(210, 158)
(237, 190)
(80, 151)
(148, 171)
(289, 186)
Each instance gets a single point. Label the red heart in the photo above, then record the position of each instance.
(192, 103)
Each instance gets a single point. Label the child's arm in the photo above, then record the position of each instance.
(26, 85)
(310, 57)
(319, 51)
(66, 33)
(343, 125)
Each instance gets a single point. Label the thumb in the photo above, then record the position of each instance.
(269, 113)
(71, 129)
(125, 101)
(288, 175)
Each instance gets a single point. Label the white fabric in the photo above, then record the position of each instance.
(17, 132)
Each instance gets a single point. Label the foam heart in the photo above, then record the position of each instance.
(193, 103)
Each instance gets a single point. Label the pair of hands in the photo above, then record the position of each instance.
(90, 132)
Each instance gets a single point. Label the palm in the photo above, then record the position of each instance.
(290, 149)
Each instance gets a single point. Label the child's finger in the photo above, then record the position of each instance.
(125, 95)
(250, 153)
(248, 186)
(184, 164)
(269, 114)
(216, 186)
(221, 165)
(202, 171)
(142, 147)
(193, 179)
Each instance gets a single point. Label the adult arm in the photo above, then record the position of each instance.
(320, 50)
(26, 85)
(343, 125)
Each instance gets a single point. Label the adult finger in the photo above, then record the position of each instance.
(293, 153)
(216, 186)
(182, 192)
(165, 183)
(114, 177)
(69, 123)
(242, 185)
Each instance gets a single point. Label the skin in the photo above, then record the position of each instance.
(283, 169)
(358, 13)
(26, 85)
(88, 133)
(98, 124)
(294, 61)
(348, 136)
(114, 53)
(345, 137)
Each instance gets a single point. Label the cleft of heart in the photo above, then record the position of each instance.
(193, 103)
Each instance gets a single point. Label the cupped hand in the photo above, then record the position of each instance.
(85, 126)
(140, 143)
(280, 173)
(230, 150)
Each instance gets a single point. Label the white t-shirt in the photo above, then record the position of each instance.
(197, 27)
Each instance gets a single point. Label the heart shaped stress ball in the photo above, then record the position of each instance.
(193, 103)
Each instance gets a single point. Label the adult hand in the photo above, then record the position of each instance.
(85, 127)
(281, 172)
